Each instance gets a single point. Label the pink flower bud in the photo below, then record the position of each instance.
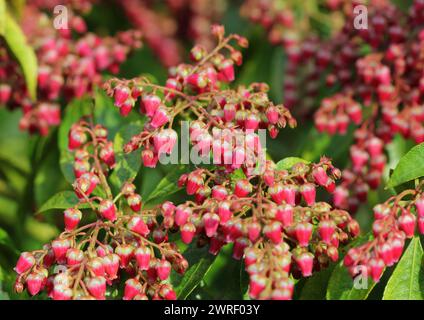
(308, 193)
(5, 93)
(239, 245)
(163, 269)
(150, 103)
(150, 159)
(36, 281)
(226, 72)
(229, 112)
(303, 233)
(284, 214)
(194, 182)
(253, 231)
(377, 266)
(320, 176)
(134, 201)
(125, 253)
(108, 210)
(359, 158)
(76, 138)
(219, 192)
(97, 287)
(374, 146)
(224, 211)
(132, 289)
(385, 252)
(136, 224)
(121, 94)
(326, 230)
(251, 121)
(257, 285)
(188, 231)
(60, 247)
(96, 266)
(160, 117)
(407, 224)
(74, 256)
(242, 188)
(272, 114)
(25, 262)
(107, 154)
(182, 214)
(305, 263)
(164, 141)
(273, 232)
(167, 293)
(419, 205)
(143, 255)
(211, 223)
(340, 197)
(111, 265)
(72, 217)
(61, 292)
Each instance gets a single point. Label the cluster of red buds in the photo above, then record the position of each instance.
(190, 19)
(273, 220)
(196, 17)
(123, 243)
(289, 24)
(382, 95)
(395, 221)
(69, 67)
(271, 216)
(225, 118)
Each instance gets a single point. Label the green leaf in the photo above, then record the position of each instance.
(127, 165)
(410, 167)
(315, 287)
(341, 285)
(2, 17)
(200, 261)
(74, 111)
(244, 281)
(63, 200)
(24, 53)
(407, 280)
(6, 241)
(288, 163)
(168, 185)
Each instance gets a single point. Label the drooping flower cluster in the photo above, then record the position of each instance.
(273, 220)
(269, 214)
(290, 24)
(234, 116)
(69, 67)
(122, 243)
(395, 221)
(382, 95)
(162, 28)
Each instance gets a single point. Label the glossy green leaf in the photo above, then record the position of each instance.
(127, 164)
(341, 285)
(2, 17)
(200, 261)
(62, 200)
(168, 185)
(315, 287)
(288, 163)
(74, 112)
(6, 241)
(410, 167)
(24, 54)
(407, 280)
